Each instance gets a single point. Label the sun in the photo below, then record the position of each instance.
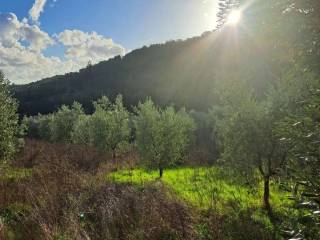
(234, 17)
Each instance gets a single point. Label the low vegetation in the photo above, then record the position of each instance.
(207, 187)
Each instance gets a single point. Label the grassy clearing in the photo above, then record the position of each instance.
(206, 188)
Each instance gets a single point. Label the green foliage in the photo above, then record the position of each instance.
(162, 136)
(109, 124)
(8, 121)
(301, 130)
(55, 127)
(38, 126)
(82, 130)
(107, 128)
(246, 128)
(148, 131)
(63, 121)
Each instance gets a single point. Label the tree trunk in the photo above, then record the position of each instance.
(160, 171)
(266, 195)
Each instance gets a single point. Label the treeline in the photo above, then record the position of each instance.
(161, 135)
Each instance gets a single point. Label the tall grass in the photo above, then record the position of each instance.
(53, 191)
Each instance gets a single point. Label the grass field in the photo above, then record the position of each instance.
(214, 188)
(207, 188)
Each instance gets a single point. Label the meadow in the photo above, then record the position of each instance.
(205, 187)
(220, 189)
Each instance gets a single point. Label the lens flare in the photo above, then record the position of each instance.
(234, 17)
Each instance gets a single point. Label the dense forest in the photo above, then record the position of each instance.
(213, 137)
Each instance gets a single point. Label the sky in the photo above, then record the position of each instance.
(43, 38)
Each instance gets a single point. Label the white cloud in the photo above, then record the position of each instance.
(22, 65)
(22, 46)
(13, 32)
(8, 25)
(37, 9)
(88, 46)
(38, 40)
(72, 37)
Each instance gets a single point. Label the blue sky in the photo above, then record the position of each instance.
(132, 23)
(128, 23)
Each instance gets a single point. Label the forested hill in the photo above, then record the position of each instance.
(183, 73)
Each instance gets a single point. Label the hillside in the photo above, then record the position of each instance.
(179, 72)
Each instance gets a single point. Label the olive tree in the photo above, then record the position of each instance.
(38, 126)
(81, 133)
(162, 136)
(246, 127)
(8, 121)
(109, 125)
(63, 121)
(301, 130)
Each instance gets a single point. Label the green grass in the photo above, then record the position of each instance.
(206, 187)
(14, 174)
